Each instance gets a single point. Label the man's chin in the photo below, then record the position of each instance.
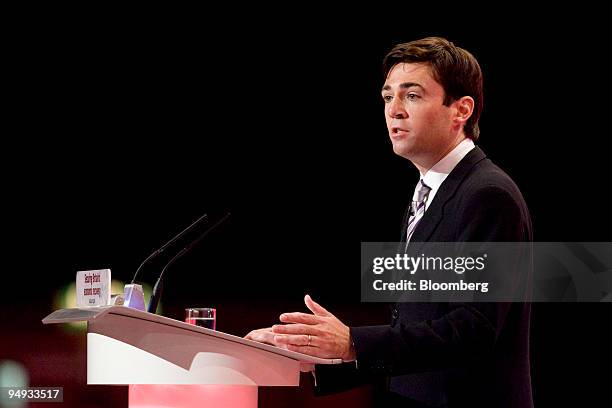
(403, 150)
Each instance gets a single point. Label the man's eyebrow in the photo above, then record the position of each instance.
(403, 85)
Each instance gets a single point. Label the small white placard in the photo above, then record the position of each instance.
(93, 288)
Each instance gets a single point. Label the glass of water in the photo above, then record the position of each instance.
(202, 316)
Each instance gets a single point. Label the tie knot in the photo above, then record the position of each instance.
(421, 192)
(420, 195)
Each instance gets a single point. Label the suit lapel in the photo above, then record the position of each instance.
(434, 214)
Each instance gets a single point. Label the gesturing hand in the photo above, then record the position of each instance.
(320, 334)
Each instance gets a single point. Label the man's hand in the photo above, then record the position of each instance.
(265, 335)
(320, 334)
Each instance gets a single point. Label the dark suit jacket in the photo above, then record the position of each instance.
(452, 354)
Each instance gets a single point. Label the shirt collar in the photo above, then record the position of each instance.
(436, 175)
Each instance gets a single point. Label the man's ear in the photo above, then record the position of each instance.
(464, 107)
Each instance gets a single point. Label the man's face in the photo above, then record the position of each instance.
(419, 125)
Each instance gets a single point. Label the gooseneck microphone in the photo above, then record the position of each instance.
(167, 244)
(158, 288)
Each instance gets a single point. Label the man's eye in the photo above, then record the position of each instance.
(387, 98)
(412, 96)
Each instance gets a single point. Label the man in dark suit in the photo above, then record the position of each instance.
(434, 354)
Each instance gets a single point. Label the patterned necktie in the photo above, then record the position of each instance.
(418, 208)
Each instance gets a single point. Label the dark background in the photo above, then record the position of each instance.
(121, 133)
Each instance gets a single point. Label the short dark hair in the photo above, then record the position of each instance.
(452, 67)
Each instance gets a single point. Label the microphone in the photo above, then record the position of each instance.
(167, 244)
(158, 288)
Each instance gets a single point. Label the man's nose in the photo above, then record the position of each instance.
(397, 110)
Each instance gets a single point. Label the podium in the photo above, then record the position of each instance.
(170, 363)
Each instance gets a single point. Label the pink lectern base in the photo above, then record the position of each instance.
(191, 396)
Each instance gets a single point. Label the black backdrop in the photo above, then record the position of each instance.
(121, 136)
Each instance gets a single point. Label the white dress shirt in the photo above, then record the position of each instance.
(438, 173)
